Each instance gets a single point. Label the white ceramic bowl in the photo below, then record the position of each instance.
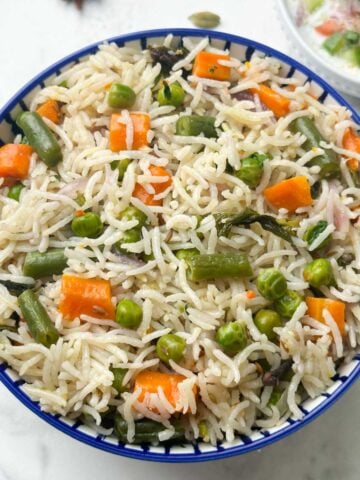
(340, 79)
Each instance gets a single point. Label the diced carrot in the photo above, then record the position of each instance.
(51, 110)
(335, 308)
(141, 126)
(277, 103)
(149, 382)
(329, 27)
(88, 296)
(15, 161)
(79, 213)
(290, 194)
(207, 65)
(149, 198)
(160, 172)
(250, 294)
(351, 141)
(145, 197)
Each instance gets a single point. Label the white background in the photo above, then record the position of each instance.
(35, 33)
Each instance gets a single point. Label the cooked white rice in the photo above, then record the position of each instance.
(73, 376)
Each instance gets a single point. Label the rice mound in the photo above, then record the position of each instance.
(73, 377)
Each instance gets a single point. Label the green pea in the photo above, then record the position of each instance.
(129, 236)
(314, 231)
(186, 253)
(133, 213)
(119, 374)
(232, 337)
(170, 347)
(15, 191)
(128, 314)
(88, 225)
(288, 303)
(319, 273)
(271, 283)
(171, 94)
(121, 96)
(195, 125)
(251, 169)
(265, 321)
(121, 165)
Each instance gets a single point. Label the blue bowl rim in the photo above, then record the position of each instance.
(194, 456)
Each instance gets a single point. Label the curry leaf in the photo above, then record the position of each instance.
(166, 57)
(224, 223)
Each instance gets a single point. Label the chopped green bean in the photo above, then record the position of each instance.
(39, 265)
(40, 325)
(218, 265)
(146, 431)
(275, 396)
(40, 137)
(327, 161)
(186, 253)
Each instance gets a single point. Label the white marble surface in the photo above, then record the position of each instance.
(33, 34)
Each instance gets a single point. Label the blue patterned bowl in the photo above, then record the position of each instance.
(241, 48)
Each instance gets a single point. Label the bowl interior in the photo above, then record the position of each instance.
(243, 49)
(342, 79)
